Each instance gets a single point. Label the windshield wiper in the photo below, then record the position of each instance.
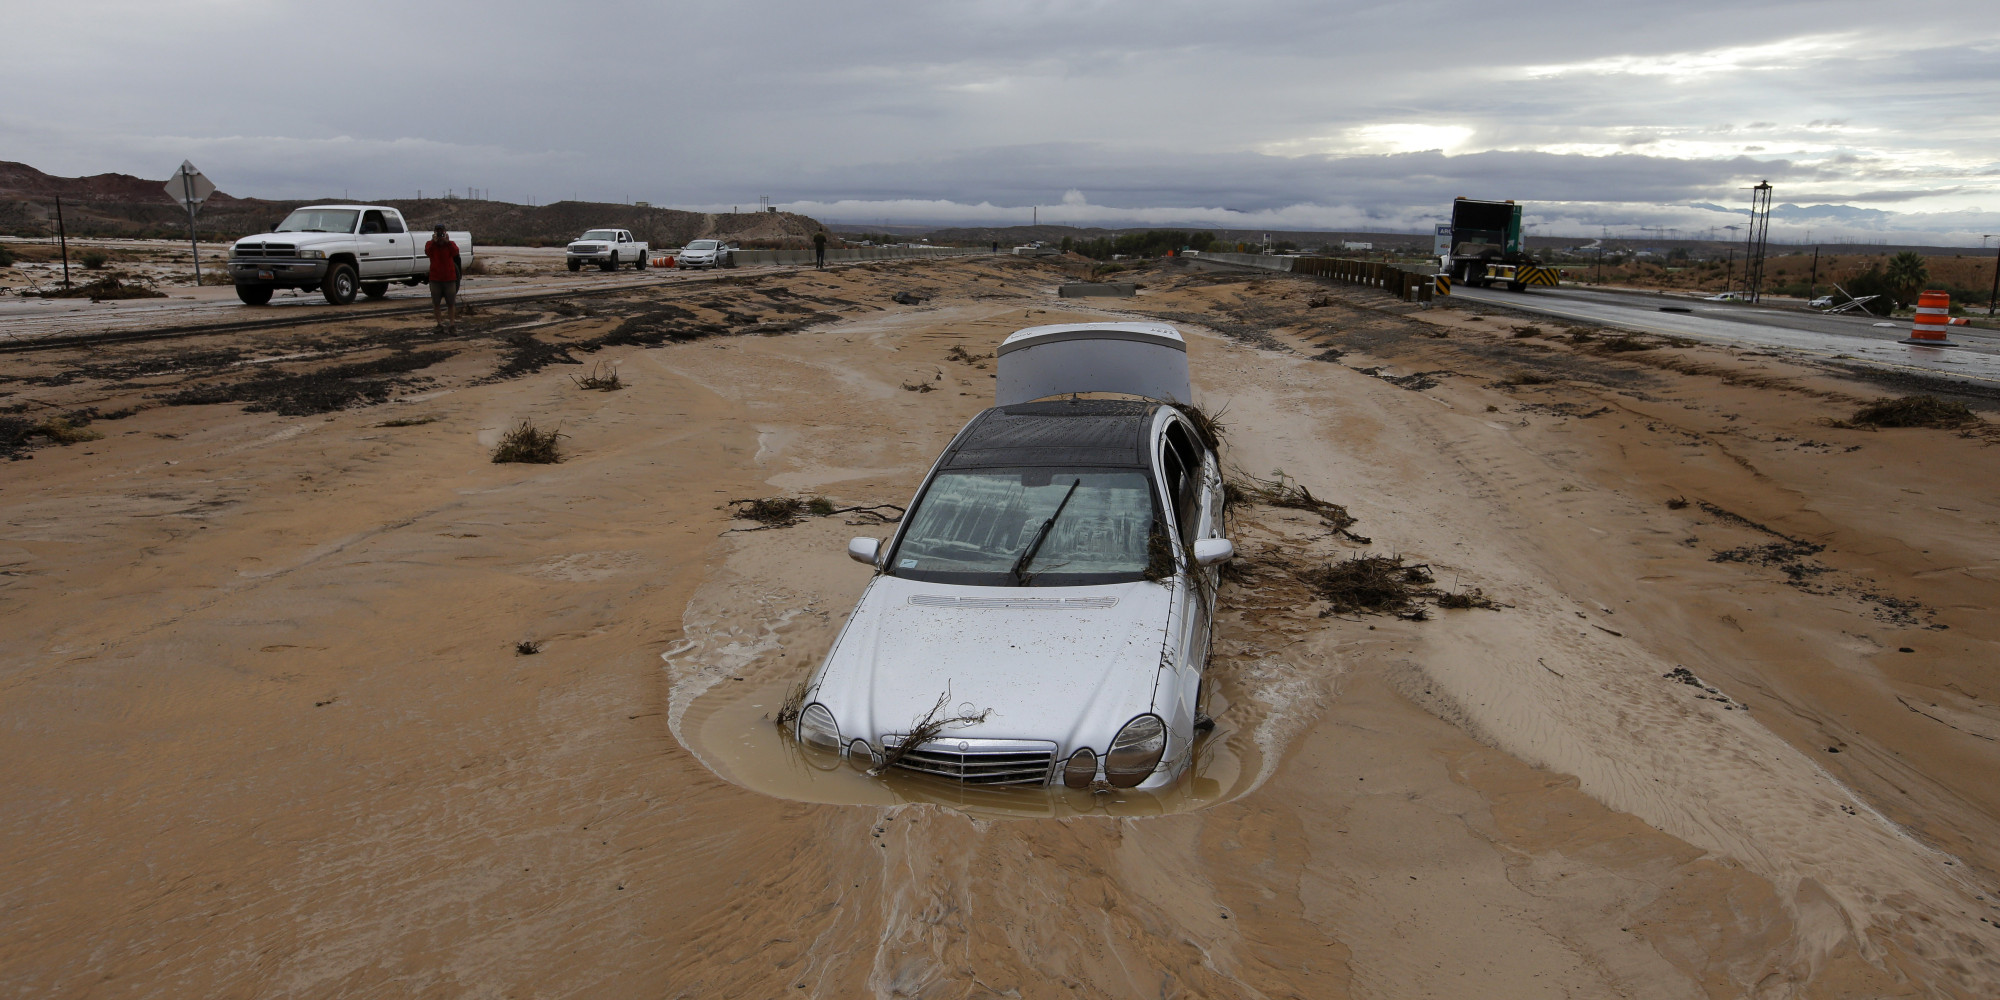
(1041, 535)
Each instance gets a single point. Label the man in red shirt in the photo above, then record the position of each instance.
(444, 257)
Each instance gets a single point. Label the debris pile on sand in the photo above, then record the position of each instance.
(1912, 411)
(104, 289)
(1381, 584)
(783, 512)
(1385, 585)
(71, 429)
(1280, 491)
(318, 390)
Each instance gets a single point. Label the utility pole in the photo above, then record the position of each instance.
(1996, 277)
(1758, 237)
(62, 236)
(1812, 284)
(1729, 268)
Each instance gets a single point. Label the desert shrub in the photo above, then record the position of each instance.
(1627, 342)
(93, 259)
(531, 444)
(6, 256)
(62, 431)
(601, 377)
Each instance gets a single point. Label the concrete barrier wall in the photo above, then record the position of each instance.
(757, 258)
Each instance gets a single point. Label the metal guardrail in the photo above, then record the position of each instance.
(1402, 282)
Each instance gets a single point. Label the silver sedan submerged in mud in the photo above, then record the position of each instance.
(1042, 613)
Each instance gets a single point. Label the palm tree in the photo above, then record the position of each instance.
(1907, 274)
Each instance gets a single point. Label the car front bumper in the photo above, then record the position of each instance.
(282, 271)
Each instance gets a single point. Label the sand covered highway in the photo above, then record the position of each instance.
(305, 695)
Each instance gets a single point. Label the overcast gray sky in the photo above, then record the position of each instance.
(1878, 120)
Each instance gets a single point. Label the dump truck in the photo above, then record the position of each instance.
(1486, 247)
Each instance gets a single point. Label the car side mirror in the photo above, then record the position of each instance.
(1207, 551)
(864, 550)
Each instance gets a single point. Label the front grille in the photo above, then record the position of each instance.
(265, 249)
(980, 762)
(586, 249)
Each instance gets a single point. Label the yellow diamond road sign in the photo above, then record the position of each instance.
(189, 187)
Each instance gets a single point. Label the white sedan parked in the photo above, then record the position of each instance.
(1051, 587)
(703, 253)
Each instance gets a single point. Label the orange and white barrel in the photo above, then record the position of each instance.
(1932, 319)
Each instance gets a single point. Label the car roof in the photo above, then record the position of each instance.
(1080, 432)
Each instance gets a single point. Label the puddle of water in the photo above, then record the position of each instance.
(732, 732)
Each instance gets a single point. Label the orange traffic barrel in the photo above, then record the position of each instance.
(1933, 316)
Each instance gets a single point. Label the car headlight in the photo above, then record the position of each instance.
(1081, 769)
(817, 728)
(313, 254)
(1135, 751)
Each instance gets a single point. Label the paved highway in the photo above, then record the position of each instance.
(1853, 339)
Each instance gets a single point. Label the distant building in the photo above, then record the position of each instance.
(1345, 245)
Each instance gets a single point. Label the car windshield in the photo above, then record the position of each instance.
(599, 234)
(319, 220)
(702, 245)
(985, 528)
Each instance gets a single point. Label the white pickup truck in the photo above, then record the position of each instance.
(338, 249)
(607, 248)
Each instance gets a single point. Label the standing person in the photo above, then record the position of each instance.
(445, 260)
(996, 246)
(819, 249)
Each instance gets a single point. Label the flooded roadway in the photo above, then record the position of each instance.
(528, 272)
(1975, 354)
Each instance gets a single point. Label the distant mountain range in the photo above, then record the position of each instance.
(128, 206)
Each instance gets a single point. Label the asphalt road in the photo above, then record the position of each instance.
(1856, 340)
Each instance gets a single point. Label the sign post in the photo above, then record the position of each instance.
(190, 188)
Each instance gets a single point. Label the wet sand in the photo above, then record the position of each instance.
(269, 731)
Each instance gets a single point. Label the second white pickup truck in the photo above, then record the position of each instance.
(607, 248)
(338, 249)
